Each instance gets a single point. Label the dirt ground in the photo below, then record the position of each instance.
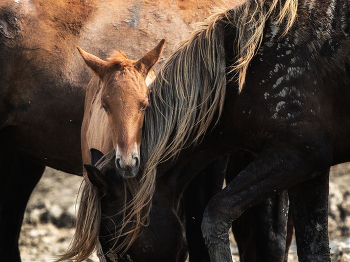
(50, 215)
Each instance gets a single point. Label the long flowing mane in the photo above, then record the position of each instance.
(187, 98)
(188, 93)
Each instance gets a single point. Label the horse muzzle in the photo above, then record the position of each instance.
(127, 169)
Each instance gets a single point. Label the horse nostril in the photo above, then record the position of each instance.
(117, 163)
(137, 162)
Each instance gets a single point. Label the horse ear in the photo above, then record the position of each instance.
(145, 64)
(96, 178)
(96, 155)
(96, 64)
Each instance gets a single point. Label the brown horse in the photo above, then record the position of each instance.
(115, 103)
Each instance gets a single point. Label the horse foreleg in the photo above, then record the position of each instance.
(24, 177)
(309, 204)
(276, 168)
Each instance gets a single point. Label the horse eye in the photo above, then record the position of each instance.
(104, 107)
(144, 107)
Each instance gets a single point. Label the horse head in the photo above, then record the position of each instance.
(124, 98)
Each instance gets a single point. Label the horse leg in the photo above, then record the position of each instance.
(277, 168)
(196, 197)
(311, 218)
(24, 177)
(260, 232)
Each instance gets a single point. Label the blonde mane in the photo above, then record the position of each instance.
(250, 20)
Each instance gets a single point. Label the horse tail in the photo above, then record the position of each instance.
(85, 240)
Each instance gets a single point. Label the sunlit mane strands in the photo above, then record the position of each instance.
(85, 239)
(249, 20)
(188, 93)
(119, 58)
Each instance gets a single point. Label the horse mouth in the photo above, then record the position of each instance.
(128, 172)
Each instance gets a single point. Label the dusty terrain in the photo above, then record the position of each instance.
(50, 216)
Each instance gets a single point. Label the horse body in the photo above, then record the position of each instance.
(43, 81)
(173, 230)
(101, 202)
(39, 63)
(293, 106)
(32, 57)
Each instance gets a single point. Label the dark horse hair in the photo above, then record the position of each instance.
(186, 100)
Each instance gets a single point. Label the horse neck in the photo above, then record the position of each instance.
(96, 132)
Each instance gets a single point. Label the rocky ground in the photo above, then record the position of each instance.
(50, 215)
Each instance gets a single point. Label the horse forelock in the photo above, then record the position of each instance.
(120, 59)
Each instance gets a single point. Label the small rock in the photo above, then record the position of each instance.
(33, 217)
(66, 220)
(45, 217)
(55, 213)
(335, 200)
(345, 205)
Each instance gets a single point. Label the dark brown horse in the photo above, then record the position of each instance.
(288, 107)
(43, 81)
